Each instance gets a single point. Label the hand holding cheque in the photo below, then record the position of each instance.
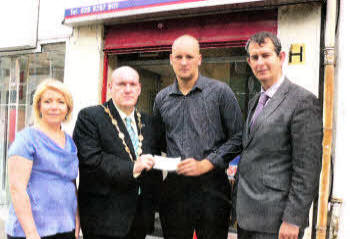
(157, 162)
(187, 167)
(145, 161)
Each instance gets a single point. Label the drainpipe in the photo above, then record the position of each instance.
(329, 61)
(334, 212)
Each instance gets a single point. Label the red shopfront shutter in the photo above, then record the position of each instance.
(224, 30)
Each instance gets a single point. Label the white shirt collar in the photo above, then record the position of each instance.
(273, 89)
(123, 116)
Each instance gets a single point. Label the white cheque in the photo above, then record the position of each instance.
(164, 163)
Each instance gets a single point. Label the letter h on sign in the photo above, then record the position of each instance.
(297, 54)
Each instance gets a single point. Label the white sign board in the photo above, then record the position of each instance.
(19, 24)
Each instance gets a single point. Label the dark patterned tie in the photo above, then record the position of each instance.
(262, 101)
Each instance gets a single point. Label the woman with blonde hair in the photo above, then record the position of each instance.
(43, 166)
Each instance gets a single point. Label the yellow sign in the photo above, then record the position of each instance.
(296, 54)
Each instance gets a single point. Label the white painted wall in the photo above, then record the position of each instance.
(341, 143)
(302, 24)
(84, 68)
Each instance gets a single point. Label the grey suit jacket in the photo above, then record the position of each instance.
(281, 161)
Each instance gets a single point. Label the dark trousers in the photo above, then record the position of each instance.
(187, 208)
(137, 230)
(131, 235)
(244, 234)
(134, 233)
(66, 235)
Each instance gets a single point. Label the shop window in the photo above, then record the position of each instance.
(19, 76)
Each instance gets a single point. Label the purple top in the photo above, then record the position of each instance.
(51, 187)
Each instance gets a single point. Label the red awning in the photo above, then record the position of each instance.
(224, 30)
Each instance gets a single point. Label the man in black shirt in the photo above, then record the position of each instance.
(199, 120)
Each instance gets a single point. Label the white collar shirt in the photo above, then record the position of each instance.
(273, 89)
(131, 116)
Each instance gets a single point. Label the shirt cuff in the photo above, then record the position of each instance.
(216, 160)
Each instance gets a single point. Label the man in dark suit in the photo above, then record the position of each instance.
(117, 188)
(282, 145)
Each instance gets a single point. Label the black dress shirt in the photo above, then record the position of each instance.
(204, 124)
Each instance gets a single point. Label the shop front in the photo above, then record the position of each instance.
(146, 46)
(140, 34)
(109, 35)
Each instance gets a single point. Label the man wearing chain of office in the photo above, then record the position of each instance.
(116, 191)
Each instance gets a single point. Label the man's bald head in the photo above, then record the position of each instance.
(125, 88)
(125, 71)
(186, 40)
(185, 58)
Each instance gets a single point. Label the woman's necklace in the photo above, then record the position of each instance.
(122, 136)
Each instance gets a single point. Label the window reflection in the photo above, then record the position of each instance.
(19, 76)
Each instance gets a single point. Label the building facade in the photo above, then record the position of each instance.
(81, 42)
